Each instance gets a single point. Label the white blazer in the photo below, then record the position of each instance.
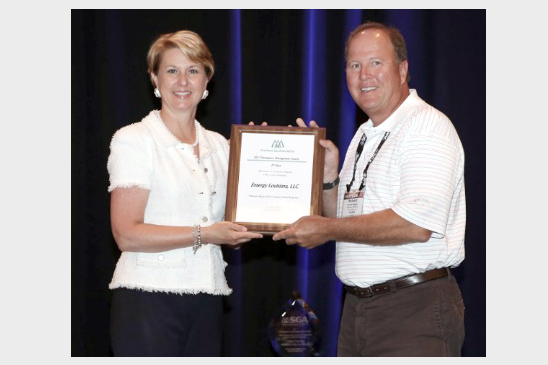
(183, 192)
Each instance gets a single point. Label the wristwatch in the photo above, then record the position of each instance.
(331, 185)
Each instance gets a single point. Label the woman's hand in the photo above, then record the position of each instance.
(227, 233)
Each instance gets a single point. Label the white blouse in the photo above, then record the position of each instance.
(183, 192)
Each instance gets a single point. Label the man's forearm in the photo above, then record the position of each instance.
(379, 228)
(329, 203)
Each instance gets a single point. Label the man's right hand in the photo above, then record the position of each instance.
(308, 232)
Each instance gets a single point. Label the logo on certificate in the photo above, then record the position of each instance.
(278, 143)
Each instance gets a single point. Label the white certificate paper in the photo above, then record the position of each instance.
(275, 177)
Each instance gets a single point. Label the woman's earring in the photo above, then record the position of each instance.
(157, 92)
(206, 93)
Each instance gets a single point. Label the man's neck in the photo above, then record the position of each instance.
(378, 119)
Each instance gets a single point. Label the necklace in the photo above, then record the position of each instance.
(195, 128)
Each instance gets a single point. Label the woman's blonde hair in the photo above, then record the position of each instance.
(190, 43)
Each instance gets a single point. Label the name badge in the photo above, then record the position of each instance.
(352, 203)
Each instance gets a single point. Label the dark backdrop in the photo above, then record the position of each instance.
(272, 65)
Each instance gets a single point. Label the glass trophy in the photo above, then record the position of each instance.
(294, 330)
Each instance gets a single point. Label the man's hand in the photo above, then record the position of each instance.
(331, 163)
(308, 232)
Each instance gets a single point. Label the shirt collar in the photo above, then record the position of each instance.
(408, 105)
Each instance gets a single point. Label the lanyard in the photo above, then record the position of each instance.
(358, 154)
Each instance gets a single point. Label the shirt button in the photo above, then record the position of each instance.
(214, 193)
(205, 169)
(204, 219)
(160, 257)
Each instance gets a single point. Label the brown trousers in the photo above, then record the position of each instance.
(426, 319)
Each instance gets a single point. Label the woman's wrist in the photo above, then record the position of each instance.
(205, 233)
(196, 237)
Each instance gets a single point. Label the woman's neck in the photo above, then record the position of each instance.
(180, 124)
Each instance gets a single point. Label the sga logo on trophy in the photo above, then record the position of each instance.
(294, 330)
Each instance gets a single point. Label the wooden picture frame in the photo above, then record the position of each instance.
(285, 168)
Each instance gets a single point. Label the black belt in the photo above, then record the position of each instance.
(393, 285)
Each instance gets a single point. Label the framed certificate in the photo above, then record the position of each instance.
(275, 176)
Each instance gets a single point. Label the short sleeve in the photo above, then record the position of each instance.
(429, 175)
(130, 161)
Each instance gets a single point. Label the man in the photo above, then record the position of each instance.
(398, 214)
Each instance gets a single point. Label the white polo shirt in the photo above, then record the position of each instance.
(419, 174)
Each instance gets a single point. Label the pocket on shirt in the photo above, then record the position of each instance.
(168, 259)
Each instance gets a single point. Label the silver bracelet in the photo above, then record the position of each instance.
(197, 236)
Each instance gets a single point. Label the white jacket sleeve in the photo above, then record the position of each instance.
(130, 160)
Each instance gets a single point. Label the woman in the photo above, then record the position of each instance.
(168, 185)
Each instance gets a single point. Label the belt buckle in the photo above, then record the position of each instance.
(366, 292)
